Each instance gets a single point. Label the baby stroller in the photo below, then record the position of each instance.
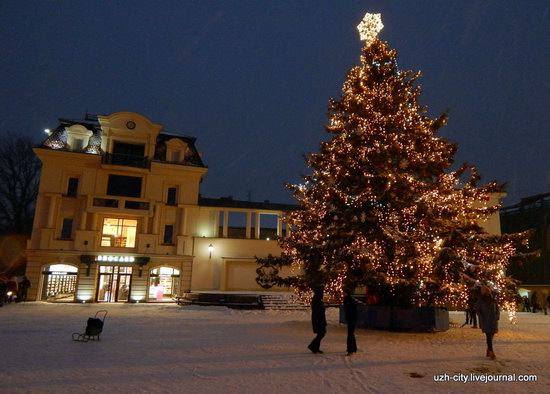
(94, 327)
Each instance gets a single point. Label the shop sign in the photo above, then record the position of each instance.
(115, 259)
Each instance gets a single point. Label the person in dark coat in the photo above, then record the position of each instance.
(3, 291)
(488, 313)
(535, 302)
(471, 317)
(350, 310)
(526, 304)
(23, 288)
(318, 320)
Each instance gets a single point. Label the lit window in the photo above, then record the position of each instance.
(120, 233)
(164, 284)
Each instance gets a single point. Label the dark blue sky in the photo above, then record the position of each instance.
(251, 79)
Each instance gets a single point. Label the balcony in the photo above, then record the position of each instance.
(125, 160)
(104, 204)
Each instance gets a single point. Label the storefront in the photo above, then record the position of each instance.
(59, 283)
(112, 278)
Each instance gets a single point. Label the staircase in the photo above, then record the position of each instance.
(282, 302)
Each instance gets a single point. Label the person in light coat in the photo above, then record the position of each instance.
(488, 314)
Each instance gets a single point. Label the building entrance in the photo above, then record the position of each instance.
(114, 284)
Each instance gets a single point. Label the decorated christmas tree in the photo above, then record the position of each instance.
(383, 207)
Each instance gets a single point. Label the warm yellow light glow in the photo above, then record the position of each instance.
(369, 27)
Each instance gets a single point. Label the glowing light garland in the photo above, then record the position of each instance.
(380, 206)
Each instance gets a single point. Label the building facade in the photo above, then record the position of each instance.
(531, 213)
(119, 218)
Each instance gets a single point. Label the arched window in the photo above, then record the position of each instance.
(59, 283)
(164, 284)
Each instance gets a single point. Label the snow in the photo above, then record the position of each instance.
(166, 348)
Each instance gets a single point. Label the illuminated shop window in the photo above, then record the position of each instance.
(59, 283)
(164, 284)
(120, 233)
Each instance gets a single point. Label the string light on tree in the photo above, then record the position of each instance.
(382, 207)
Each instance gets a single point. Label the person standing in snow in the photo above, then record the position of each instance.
(350, 310)
(23, 288)
(535, 301)
(318, 320)
(488, 313)
(3, 290)
(471, 316)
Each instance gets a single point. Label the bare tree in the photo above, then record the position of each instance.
(19, 177)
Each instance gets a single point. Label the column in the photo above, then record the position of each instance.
(279, 226)
(248, 223)
(182, 217)
(216, 232)
(225, 223)
(83, 216)
(156, 219)
(145, 225)
(257, 227)
(51, 211)
(94, 222)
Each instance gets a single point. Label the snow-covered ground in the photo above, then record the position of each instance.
(173, 349)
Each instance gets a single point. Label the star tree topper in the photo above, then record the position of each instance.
(369, 27)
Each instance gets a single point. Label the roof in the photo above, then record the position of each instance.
(58, 140)
(228, 202)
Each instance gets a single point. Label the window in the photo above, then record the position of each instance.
(120, 185)
(120, 233)
(176, 156)
(78, 144)
(236, 226)
(67, 229)
(169, 234)
(72, 187)
(123, 150)
(164, 284)
(171, 198)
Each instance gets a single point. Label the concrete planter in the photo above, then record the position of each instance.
(416, 319)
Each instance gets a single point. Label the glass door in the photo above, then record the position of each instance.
(114, 284)
(123, 284)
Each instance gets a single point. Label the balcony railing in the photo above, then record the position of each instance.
(126, 160)
(115, 203)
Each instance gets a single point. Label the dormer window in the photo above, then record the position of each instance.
(175, 150)
(78, 137)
